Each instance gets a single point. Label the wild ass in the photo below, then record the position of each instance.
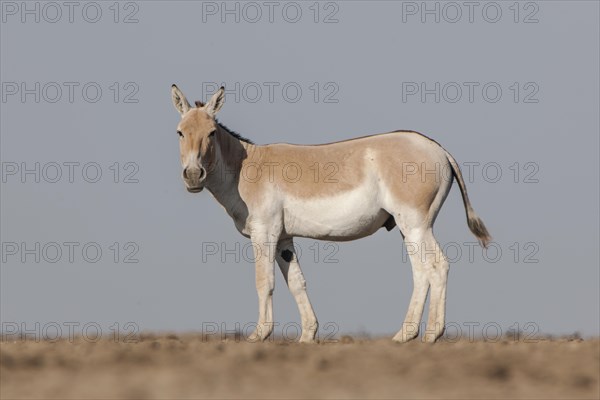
(338, 191)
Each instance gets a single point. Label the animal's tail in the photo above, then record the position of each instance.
(475, 223)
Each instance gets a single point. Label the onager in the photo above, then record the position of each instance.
(338, 191)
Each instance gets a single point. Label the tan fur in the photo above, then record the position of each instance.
(195, 127)
(340, 166)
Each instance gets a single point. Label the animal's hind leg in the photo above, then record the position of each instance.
(410, 327)
(430, 273)
(288, 263)
(437, 273)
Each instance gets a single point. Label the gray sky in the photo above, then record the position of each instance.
(517, 105)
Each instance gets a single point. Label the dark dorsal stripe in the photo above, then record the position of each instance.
(418, 133)
(234, 134)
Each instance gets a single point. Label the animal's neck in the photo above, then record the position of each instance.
(223, 180)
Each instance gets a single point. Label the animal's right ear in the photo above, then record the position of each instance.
(216, 102)
(179, 101)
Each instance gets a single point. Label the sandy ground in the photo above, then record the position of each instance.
(189, 366)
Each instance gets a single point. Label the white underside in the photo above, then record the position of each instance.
(346, 215)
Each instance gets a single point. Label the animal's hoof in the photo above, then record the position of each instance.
(431, 337)
(402, 337)
(261, 333)
(310, 338)
(255, 337)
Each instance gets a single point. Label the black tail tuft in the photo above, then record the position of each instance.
(478, 228)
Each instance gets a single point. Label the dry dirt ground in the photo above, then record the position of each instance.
(189, 366)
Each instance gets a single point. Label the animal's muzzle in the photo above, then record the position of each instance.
(194, 179)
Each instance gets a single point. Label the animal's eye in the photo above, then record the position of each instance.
(212, 133)
(180, 134)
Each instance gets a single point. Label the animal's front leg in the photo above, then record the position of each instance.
(264, 253)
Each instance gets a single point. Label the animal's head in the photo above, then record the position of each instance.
(197, 130)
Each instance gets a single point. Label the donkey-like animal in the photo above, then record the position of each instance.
(338, 191)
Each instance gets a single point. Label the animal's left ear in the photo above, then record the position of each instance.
(216, 102)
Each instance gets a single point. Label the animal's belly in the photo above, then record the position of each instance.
(344, 216)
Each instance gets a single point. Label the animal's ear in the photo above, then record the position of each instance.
(179, 101)
(216, 102)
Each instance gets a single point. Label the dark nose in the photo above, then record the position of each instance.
(194, 173)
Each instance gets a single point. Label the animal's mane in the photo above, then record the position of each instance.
(234, 134)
